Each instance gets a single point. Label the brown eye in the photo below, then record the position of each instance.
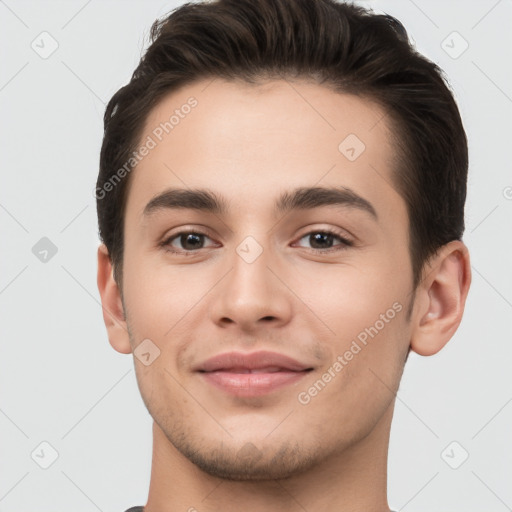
(324, 240)
(191, 241)
(186, 242)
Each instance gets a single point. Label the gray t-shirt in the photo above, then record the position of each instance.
(141, 509)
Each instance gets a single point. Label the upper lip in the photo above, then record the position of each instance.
(252, 361)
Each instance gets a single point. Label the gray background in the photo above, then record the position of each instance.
(60, 380)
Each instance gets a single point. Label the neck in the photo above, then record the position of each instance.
(353, 480)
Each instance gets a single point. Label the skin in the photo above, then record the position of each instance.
(213, 451)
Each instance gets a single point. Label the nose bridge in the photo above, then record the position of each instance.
(250, 274)
(250, 293)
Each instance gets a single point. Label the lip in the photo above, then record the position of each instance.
(252, 374)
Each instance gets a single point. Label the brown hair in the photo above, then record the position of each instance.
(343, 46)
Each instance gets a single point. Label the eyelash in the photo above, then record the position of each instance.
(345, 243)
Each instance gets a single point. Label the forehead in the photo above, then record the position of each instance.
(250, 141)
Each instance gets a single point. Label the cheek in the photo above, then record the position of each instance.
(344, 299)
(356, 385)
(163, 304)
(158, 295)
(359, 317)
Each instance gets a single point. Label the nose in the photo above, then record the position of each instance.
(252, 294)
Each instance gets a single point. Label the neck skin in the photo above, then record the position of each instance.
(355, 481)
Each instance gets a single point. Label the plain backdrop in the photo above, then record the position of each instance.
(61, 383)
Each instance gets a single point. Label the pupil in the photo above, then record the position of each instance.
(319, 237)
(195, 238)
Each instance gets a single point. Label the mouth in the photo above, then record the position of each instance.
(270, 369)
(251, 375)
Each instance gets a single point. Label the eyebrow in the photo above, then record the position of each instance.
(303, 198)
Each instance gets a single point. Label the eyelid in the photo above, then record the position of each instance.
(334, 230)
(346, 241)
(184, 230)
(192, 228)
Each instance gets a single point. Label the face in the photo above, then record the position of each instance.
(297, 246)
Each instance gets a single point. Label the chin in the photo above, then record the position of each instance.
(250, 463)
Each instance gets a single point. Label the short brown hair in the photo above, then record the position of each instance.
(343, 46)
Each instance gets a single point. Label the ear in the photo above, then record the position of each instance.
(113, 310)
(440, 298)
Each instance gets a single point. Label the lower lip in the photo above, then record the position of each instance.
(252, 384)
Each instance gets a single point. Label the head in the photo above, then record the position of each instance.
(280, 120)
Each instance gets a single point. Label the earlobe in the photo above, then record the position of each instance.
(441, 298)
(113, 310)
